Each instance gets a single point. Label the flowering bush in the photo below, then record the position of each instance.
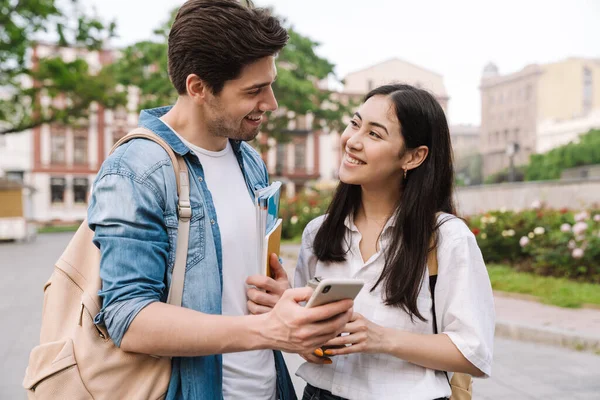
(298, 211)
(546, 241)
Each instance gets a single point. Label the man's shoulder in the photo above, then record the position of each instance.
(137, 157)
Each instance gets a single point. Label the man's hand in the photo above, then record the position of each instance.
(292, 328)
(267, 291)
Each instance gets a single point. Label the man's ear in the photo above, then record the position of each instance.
(416, 157)
(196, 88)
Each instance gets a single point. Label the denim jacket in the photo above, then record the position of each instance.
(133, 212)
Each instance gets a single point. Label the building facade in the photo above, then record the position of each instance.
(521, 108)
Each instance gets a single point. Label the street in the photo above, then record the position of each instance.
(521, 370)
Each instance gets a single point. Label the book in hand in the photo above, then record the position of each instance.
(268, 224)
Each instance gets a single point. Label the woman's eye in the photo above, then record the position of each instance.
(374, 134)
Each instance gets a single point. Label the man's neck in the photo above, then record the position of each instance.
(189, 122)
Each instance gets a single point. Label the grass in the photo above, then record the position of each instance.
(556, 291)
(55, 229)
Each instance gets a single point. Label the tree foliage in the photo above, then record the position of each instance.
(144, 65)
(24, 80)
(550, 165)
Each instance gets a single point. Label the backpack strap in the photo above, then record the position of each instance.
(461, 382)
(184, 210)
(432, 267)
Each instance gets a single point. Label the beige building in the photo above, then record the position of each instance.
(517, 108)
(465, 146)
(396, 71)
(465, 140)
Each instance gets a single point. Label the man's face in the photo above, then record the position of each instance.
(238, 110)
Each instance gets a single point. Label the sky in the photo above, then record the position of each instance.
(455, 38)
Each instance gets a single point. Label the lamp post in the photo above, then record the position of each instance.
(511, 149)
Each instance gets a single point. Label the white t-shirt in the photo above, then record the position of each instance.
(250, 374)
(464, 308)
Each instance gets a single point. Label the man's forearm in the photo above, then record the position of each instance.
(165, 330)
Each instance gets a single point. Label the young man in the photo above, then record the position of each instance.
(221, 61)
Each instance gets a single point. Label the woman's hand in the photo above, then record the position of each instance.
(363, 336)
(316, 357)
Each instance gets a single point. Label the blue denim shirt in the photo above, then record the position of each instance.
(133, 212)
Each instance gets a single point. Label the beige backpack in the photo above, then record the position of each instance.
(461, 384)
(76, 359)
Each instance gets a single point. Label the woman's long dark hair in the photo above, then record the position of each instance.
(426, 191)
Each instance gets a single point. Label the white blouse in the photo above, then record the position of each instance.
(464, 308)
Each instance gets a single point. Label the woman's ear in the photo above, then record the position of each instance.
(415, 157)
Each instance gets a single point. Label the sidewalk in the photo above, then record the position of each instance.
(525, 320)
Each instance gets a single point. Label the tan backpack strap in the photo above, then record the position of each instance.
(184, 210)
(432, 264)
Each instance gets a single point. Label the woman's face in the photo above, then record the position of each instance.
(372, 146)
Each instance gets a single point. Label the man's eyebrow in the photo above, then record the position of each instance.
(260, 85)
(373, 123)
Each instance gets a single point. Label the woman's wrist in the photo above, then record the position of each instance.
(394, 341)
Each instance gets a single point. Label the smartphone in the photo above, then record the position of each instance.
(329, 290)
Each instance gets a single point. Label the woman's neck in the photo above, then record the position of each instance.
(377, 205)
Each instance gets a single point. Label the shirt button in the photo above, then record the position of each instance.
(200, 179)
(212, 221)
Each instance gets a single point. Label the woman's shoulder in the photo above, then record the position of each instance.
(452, 228)
(314, 225)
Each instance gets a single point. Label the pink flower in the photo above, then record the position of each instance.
(571, 244)
(582, 216)
(565, 228)
(524, 241)
(597, 217)
(577, 253)
(579, 228)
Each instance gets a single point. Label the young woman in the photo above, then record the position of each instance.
(393, 206)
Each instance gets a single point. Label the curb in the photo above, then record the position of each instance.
(535, 299)
(549, 336)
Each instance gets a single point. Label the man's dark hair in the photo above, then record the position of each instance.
(215, 39)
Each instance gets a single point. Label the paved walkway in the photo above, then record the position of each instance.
(521, 370)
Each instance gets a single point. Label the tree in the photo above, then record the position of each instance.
(144, 65)
(550, 165)
(23, 80)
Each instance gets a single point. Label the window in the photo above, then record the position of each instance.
(280, 158)
(57, 190)
(58, 142)
(80, 190)
(587, 90)
(15, 176)
(80, 149)
(300, 155)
